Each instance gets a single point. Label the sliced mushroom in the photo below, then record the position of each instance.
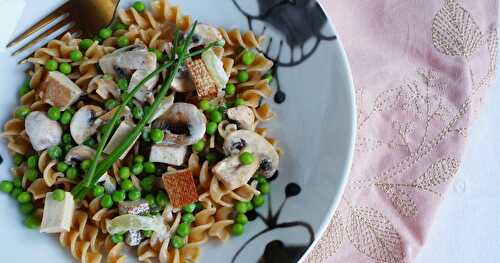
(42, 131)
(145, 93)
(165, 104)
(109, 183)
(232, 173)
(183, 124)
(205, 34)
(173, 155)
(108, 62)
(58, 90)
(182, 82)
(243, 115)
(79, 153)
(104, 87)
(265, 153)
(85, 123)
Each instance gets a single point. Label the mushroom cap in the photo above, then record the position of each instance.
(232, 174)
(183, 124)
(85, 123)
(244, 140)
(243, 115)
(42, 131)
(79, 153)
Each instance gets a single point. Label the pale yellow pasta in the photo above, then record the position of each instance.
(235, 39)
(39, 189)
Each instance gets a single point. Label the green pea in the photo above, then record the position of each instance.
(61, 167)
(264, 188)
(67, 139)
(6, 186)
(122, 84)
(27, 208)
(151, 199)
(198, 206)
(247, 158)
(119, 26)
(158, 53)
(248, 57)
(189, 208)
(216, 116)
(67, 147)
(16, 192)
(147, 233)
(177, 242)
(161, 199)
(230, 89)
(97, 190)
(72, 173)
(268, 77)
(211, 128)
(25, 88)
(239, 102)
(32, 174)
(205, 105)
(137, 168)
(134, 195)
(139, 6)
(122, 41)
(58, 195)
(238, 229)
(261, 179)
(117, 238)
(137, 112)
(22, 112)
(90, 142)
(241, 207)
(249, 206)
(124, 172)
(51, 65)
(24, 197)
(55, 152)
(199, 146)
(110, 104)
(241, 219)
(85, 165)
(86, 44)
(54, 113)
(17, 181)
(139, 159)
(183, 230)
(258, 201)
(118, 196)
(32, 222)
(211, 158)
(75, 55)
(107, 201)
(105, 33)
(65, 68)
(18, 159)
(188, 218)
(148, 182)
(149, 167)
(243, 76)
(156, 135)
(126, 185)
(66, 118)
(32, 161)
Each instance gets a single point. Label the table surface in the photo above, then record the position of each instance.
(467, 225)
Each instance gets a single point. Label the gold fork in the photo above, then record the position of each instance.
(84, 17)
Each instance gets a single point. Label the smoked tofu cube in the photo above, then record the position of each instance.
(57, 215)
(203, 82)
(124, 129)
(180, 188)
(172, 155)
(232, 173)
(59, 91)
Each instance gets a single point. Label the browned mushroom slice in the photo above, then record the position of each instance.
(85, 123)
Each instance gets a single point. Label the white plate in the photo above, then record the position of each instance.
(315, 127)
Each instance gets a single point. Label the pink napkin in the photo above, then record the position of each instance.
(420, 69)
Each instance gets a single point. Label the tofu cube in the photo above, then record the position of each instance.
(180, 188)
(120, 134)
(232, 173)
(203, 82)
(59, 91)
(168, 154)
(57, 215)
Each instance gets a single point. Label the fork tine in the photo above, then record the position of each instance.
(72, 30)
(45, 34)
(42, 23)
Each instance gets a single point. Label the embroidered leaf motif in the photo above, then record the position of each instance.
(374, 235)
(438, 173)
(401, 199)
(454, 31)
(331, 241)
